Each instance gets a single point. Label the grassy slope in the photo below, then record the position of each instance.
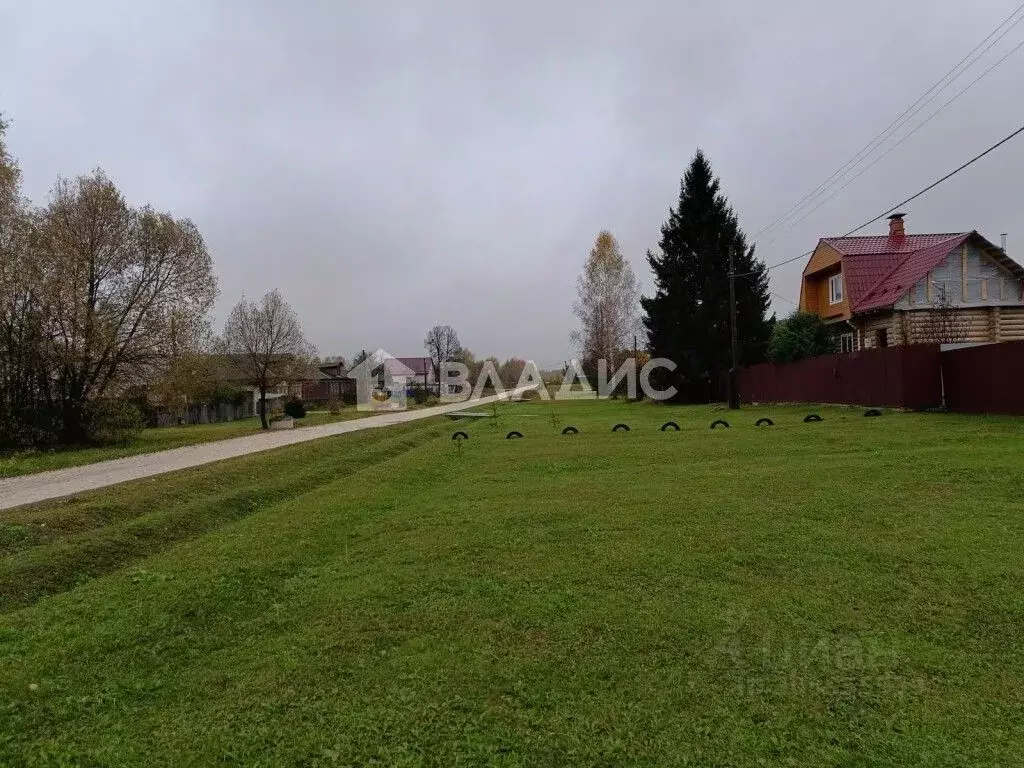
(149, 441)
(845, 593)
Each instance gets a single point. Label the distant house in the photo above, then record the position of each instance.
(235, 370)
(901, 288)
(326, 383)
(424, 371)
(381, 382)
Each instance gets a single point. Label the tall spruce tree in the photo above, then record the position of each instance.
(687, 319)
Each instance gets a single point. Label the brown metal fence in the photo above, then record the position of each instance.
(898, 377)
(985, 379)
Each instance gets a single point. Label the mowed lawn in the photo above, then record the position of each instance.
(846, 593)
(151, 440)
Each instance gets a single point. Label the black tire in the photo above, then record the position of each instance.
(872, 412)
(460, 435)
(811, 417)
(620, 428)
(570, 431)
(720, 421)
(766, 422)
(669, 425)
(513, 434)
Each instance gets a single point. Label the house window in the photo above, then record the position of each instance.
(846, 342)
(835, 289)
(882, 337)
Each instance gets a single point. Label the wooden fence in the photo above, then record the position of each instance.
(204, 413)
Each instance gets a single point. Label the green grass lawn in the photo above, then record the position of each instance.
(844, 593)
(150, 440)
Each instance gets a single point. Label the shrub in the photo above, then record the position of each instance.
(802, 334)
(29, 428)
(420, 395)
(229, 395)
(114, 421)
(334, 406)
(295, 408)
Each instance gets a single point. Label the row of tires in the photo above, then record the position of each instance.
(671, 425)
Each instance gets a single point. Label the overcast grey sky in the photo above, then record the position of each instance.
(390, 166)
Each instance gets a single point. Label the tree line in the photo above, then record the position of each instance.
(104, 305)
(95, 296)
(686, 318)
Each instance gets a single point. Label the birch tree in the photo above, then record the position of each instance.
(606, 305)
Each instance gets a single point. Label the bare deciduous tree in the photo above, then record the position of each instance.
(95, 297)
(122, 287)
(268, 344)
(607, 303)
(26, 416)
(442, 343)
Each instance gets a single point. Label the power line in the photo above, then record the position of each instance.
(909, 112)
(913, 197)
(788, 301)
(936, 183)
(918, 127)
(900, 121)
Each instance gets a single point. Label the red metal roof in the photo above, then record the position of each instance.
(901, 279)
(864, 271)
(879, 269)
(879, 244)
(419, 365)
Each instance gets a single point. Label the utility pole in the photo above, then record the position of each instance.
(734, 395)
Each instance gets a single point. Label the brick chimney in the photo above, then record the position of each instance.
(896, 225)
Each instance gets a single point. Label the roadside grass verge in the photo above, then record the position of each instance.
(53, 547)
(842, 593)
(151, 440)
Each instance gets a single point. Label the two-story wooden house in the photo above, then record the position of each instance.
(904, 288)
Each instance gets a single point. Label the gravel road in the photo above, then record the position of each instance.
(28, 489)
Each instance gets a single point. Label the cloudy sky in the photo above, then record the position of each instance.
(394, 165)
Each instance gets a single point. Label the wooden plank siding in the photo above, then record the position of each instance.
(814, 295)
